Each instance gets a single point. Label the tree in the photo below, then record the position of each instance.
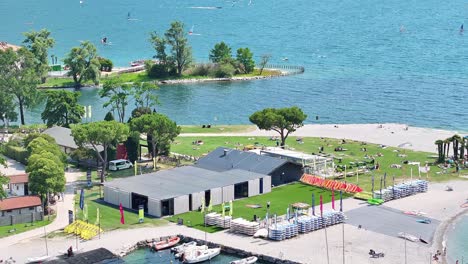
(159, 127)
(264, 59)
(245, 59)
(282, 120)
(109, 116)
(31, 136)
(139, 111)
(19, 78)
(83, 63)
(41, 144)
(38, 43)
(456, 139)
(46, 174)
(62, 108)
(159, 44)
(102, 133)
(3, 180)
(118, 95)
(181, 52)
(440, 150)
(221, 53)
(7, 107)
(133, 146)
(144, 94)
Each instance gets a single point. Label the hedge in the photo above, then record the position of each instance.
(19, 154)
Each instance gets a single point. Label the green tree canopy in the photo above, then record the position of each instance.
(159, 127)
(133, 146)
(7, 107)
(39, 42)
(282, 120)
(46, 174)
(41, 144)
(118, 95)
(3, 179)
(102, 133)
(31, 136)
(144, 94)
(159, 44)
(109, 116)
(181, 52)
(245, 59)
(18, 77)
(83, 63)
(221, 53)
(62, 108)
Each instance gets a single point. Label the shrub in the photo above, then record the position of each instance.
(33, 136)
(223, 71)
(158, 71)
(203, 69)
(17, 153)
(106, 64)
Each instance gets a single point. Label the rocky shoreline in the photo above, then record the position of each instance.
(224, 249)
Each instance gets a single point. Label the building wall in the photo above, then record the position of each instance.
(216, 196)
(197, 200)
(254, 187)
(181, 204)
(285, 174)
(228, 193)
(16, 189)
(115, 196)
(125, 198)
(154, 207)
(266, 184)
(23, 215)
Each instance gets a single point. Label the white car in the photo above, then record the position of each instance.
(121, 164)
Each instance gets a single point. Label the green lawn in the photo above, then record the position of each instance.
(218, 129)
(184, 145)
(110, 215)
(20, 228)
(280, 198)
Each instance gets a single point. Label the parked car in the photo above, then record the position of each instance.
(121, 164)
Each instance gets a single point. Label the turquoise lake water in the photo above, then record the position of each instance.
(359, 67)
(457, 242)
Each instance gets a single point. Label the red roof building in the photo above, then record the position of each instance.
(20, 178)
(19, 202)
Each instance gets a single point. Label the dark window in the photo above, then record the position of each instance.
(261, 186)
(190, 202)
(8, 211)
(31, 208)
(207, 197)
(241, 190)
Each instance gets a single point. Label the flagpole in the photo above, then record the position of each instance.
(343, 242)
(45, 237)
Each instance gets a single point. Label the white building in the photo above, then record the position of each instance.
(18, 185)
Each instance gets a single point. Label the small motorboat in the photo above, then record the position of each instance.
(38, 259)
(168, 243)
(197, 256)
(190, 249)
(249, 260)
(263, 232)
(424, 221)
(137, 63)
(408, 237)
(183, 246)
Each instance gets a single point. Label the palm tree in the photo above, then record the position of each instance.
(463, 145)
(456, 140)
(447, 146)
(440, 151)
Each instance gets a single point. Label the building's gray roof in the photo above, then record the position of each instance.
(63, 137)
(223, 159)
(179, 181)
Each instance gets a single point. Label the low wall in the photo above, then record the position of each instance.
(225, 249)
(22, 218)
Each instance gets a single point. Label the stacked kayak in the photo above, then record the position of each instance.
(242, 226)
(375, 201)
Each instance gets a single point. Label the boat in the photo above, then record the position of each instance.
(263, 232)
(424, 221)
(249, 260)
(137, 63)
(38, 259)
(197, 256)
(408, 237)
(414, 213)
(189, 249)
(168, 243)
(375, 201)
(183, 246)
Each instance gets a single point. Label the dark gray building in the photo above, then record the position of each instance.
(183, 189)
(222, 159)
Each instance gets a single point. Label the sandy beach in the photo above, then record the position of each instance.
(396, 135)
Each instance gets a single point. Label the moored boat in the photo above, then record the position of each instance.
(408, 237)
(249, 260)
(197, 256)
(38, 259)
(424, 221)
(168, 243)
(189, 249)
(183, 246)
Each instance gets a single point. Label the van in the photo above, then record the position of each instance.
(121, 164)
